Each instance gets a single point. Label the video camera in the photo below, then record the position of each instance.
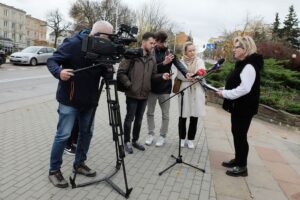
(112, 50)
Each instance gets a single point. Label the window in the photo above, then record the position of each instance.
(6, 12)
(20, 37)
(50, 50)
(43, 50)
(13, 25)
(14, 36)
(20, 26)
(5, 23)
(5, 34)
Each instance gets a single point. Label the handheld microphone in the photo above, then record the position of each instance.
(217, 65)
(200, 72)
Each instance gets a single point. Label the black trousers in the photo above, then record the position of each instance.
(74, 134)
(239, 128)
(135, 111)
(192, 128)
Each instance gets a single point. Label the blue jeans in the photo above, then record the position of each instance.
(67, 116)
(135, 111)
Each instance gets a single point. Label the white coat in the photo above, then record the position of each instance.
(194, 97)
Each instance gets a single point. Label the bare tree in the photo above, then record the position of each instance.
(86, 12)
(57, 24)
(152, 18)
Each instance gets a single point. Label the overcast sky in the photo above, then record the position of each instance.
(203, 18)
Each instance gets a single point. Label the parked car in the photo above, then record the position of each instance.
(2, 57)
(32, 55)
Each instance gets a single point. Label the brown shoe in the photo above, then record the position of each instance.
(85, 170)
(57, 179)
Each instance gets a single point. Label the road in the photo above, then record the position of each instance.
(24, 83)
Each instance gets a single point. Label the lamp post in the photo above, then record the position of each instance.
(174, 48)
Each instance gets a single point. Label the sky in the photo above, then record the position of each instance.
(203, 18)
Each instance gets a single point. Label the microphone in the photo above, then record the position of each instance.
(200, 72)
(217, 65)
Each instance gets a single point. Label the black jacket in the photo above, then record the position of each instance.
(246, 105)
(162, 86)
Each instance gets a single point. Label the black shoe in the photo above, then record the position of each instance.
(71, 150)
(237, 171)
(128, 147)
(57, 179)
(229, 163)
(85, 170)
(138, 146)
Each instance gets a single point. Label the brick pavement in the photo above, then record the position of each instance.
(26, 137)
(28, 128)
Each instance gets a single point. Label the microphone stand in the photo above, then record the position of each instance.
(181, 92)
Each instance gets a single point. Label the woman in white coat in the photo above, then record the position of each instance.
(194, 97)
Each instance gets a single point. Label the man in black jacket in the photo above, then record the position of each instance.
(160, 90)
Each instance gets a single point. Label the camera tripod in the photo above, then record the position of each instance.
(179, 157)
(116, 124)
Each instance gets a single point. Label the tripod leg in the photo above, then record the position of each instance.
(116, 123)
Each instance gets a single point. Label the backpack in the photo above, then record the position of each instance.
(120, 86)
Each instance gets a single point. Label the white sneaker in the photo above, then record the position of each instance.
(149, 139)
(182, 143)
(190, 144)
(161, 141)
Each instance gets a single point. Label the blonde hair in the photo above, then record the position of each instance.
(247, 43)
(186, 45)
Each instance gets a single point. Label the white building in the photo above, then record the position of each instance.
(60, 39)
(12, 28)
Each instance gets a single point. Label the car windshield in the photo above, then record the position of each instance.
(30, 50)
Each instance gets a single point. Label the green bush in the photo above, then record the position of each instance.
(280, 87)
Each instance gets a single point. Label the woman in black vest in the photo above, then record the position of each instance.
(241, 99)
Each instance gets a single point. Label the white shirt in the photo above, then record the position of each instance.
(247, 76)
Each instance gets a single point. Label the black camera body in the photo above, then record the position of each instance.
(112, 50)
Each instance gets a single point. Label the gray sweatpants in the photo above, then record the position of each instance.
(152, 98)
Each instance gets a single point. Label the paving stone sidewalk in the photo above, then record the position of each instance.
(26, 137)
(27, 134)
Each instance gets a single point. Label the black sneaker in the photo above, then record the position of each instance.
(70, 150)
(128, 148)
(85, 170)
(138, 146)
(57, 179)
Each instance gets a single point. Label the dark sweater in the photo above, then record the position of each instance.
(246, 105)
(162, 86)
(81, 90)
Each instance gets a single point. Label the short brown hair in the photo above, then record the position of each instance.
(161, 36)
(147, 35)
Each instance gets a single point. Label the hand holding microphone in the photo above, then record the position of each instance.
(200, 72)
(216, 67)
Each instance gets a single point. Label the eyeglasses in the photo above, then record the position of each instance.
(236, 47)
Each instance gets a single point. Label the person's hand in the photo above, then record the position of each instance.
(66, 74)
(219, 93)
(166, 76)
(189, 76)
(168, 59)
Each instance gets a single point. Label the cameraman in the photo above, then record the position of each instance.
(77, 97)
(137, 78)
(160, 90)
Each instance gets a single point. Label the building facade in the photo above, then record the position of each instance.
(12, 28)
(60, 39)
(36, 31)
